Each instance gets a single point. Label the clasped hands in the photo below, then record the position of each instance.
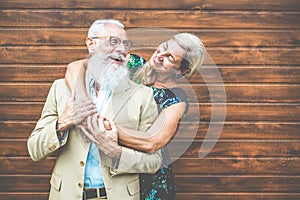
(83, 114)
(104, 134)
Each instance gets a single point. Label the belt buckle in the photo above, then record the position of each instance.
(97, 195)
(98, 190)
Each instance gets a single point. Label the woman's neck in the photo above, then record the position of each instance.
(164, 83)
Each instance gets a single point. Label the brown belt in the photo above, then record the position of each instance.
(93, 193)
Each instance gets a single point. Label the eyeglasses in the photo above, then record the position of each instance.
(115, 41)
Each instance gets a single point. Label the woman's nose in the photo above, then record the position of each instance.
(161, 55)
(160, 58)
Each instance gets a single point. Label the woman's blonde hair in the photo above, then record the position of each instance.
(194, 57)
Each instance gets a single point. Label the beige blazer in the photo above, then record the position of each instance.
(132, 108)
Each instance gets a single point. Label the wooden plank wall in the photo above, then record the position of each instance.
(255, 45)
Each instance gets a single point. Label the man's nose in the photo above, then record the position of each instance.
(121, 48)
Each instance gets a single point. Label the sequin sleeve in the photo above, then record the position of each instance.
(134, 64)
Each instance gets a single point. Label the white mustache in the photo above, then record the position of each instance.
(117, 56)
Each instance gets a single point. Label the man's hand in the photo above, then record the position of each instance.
(106, 140)
(75, 112)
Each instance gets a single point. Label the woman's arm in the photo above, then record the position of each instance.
(158, 135)
(75, 77)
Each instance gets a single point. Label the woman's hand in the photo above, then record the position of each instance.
(75, 112)
(104, 136)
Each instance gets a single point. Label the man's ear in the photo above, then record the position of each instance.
(91, 44)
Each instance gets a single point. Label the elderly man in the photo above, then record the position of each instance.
(90, 162)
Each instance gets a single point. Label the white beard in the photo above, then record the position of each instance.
(107, 74)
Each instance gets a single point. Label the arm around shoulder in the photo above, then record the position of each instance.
(133, 161)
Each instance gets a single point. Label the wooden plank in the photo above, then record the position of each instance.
(234, 93)
(244, 112)
(152, 37)
(25, 166)
(211, 166)
(16, 148)
(132, 19)
(155, 4)
(179, 196)
(238, 74)
(25, 195)
(32, 55)
(233, 184)
(247, 74)
(230, 130)
(238, 195)
(235, 148)
(237, 166)
(205, 184)
(11, 148)
(31, 73)
(23, 111)
(24, 92)
(234, 112)
(223, 149)
(241, 130)
(243, 93)
(248, 112)
(16, 129)
(219, 56)
(18, 183)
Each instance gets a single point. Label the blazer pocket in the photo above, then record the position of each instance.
(56, 182)
(133, 187)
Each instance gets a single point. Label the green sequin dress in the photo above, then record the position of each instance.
(161, 185)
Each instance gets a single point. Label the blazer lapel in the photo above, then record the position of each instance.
(117, 100)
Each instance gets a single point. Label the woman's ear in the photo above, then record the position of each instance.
(184, 72)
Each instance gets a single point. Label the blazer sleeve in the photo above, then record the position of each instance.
(132, 161)
(43, 140)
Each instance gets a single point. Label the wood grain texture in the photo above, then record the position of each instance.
(31, 73)
(182, 166)
(179, 196)
(252, 46)
(191, 149)
(152, 37)
(151, 18)
(203, 184)
(238, 195)
(234, 112)
(155, 4)
(235, 93)
(238, 183)
(229, 74)
(220, 56)
(231, 130)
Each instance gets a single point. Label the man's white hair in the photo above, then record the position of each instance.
(96, 25)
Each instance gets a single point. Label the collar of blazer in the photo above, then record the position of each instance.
(119, 98)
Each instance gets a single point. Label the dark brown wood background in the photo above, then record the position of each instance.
(255, 45)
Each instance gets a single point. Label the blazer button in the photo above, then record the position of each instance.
(80, 185)
(81, 163)
(52, 148)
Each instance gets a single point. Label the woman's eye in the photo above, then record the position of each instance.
(171, 58)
